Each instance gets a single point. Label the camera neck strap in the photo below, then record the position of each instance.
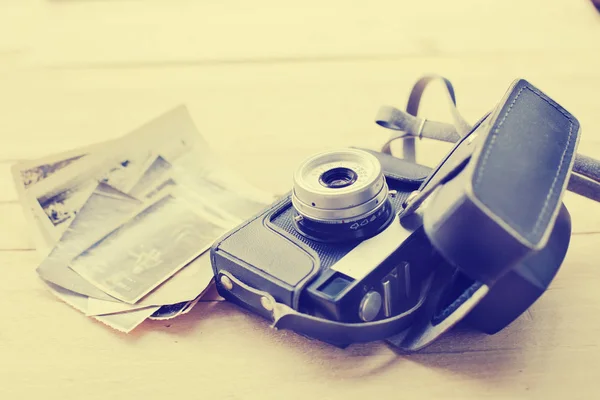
(336, 333)
(407, 126)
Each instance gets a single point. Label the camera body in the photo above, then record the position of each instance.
(367, 246)
(350, 281)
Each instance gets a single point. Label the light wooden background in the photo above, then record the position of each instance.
(268, 83)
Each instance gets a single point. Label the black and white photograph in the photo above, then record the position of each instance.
(183, 286)
(58, 199)
(145, 251)
(154, 178)
(125, 172)
(100, 214)
(36, 174)
(29, 174)
(63, 206)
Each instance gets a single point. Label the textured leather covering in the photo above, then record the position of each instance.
(518, 289)
(504, 203)
(528, 154)
(264, 258)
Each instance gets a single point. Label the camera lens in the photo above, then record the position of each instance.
(338, 178)
(341, 195)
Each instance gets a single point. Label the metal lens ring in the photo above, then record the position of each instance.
(341, 195)
(359, 229)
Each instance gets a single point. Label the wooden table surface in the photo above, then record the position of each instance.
(268, 83)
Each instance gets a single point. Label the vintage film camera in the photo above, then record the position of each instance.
(368, 246)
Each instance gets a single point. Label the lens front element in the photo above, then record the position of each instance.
(341, 195)
(338, 178)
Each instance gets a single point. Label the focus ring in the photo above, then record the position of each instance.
(342, 214)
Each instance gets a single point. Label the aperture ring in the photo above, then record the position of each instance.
(358, 229)
(324, 215)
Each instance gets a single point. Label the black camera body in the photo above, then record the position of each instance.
(331, 280)
(367, 246)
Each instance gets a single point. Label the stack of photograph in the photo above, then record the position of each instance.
(123, 227)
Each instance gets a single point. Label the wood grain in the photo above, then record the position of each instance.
(267, 84)
(223, 352)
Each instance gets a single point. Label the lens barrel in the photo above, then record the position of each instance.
(341, 195)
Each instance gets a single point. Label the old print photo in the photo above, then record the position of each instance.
(156, 175)
(125, 172)
(141, 254)
(64, 205)
(34, 175)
